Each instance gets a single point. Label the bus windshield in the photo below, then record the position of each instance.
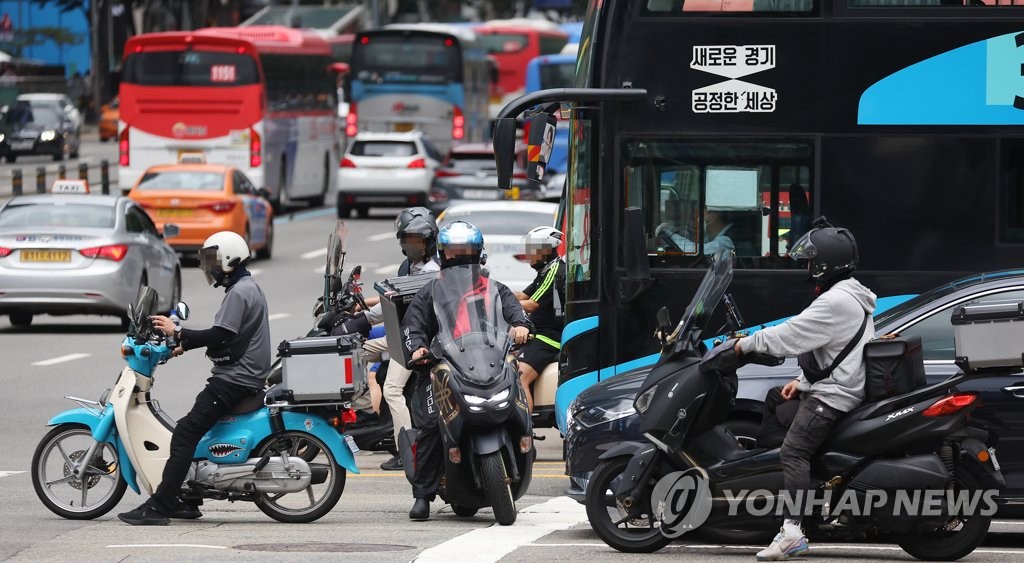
(557, 75)
(190, 68)
(412, 58)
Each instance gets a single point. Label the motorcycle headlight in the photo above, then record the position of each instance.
(501, 396)
(48, 135)
(614, 409)
(643, 401)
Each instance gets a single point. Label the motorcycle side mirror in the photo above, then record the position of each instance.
(356, 272)
(505, 150)
(664, 322)
(171, 230)
(183, 311)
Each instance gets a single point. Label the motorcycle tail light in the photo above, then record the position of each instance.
(951, 404)
(348, 416)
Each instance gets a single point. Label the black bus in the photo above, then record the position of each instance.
(899, 119)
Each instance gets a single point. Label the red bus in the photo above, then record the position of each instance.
(260, 98)
(513, 43)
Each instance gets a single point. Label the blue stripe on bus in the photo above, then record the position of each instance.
(971, 85)
(578, 327)
(452, 93)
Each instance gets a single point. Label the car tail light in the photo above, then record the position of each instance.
(219, 206)
(115, 252)
(418, 163)
(122, 147)
(255, 148)
(347, 163)
(437, 196)
(951, 404)
(458, 123)
(351, 121)
(445, 173)
(520, 175)
(5, 252)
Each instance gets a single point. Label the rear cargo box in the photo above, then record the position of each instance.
(321, 368)
(396, 294)
(989, 335)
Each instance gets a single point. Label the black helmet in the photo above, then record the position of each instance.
(830, 251)
(417, 221)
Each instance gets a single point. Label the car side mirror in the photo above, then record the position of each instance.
(505, 150)
(183, 311)
(171, 230)
(264, 193)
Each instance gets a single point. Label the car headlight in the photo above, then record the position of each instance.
(614, 409)
(2, 137)
(643, 401)
(48, 135)
(501, 396)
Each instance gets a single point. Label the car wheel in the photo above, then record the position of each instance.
(343, 210)
(21, 320)
(59, 156)
(363, 211)
(10, 157)
(268, 249)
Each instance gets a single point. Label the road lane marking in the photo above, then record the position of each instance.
(131, 546)
(61, 359)
(277, 316)
(494, 542)
(303, 215)
(9, 473)
(389, 269)
(319, 269)
(314, 253)
(397, 474)
(255, 271)
(380, 236)
(850, 546)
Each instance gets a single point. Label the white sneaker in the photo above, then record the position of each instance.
(783, 547)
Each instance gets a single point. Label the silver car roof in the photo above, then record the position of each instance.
(111, 200)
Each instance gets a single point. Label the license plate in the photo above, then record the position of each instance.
(174, 213)
(23, 145)
(351, 443)
(481, 194)
(45, 255)
(404, 127)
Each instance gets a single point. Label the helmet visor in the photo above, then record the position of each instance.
(209, 263)
(803, 248)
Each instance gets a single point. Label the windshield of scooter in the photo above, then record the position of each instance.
(698, 313)
(145, 306)
(472, 333)
(335, 259)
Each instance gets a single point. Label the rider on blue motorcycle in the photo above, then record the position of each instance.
(238, 344)
(831, 333)
(460, 244)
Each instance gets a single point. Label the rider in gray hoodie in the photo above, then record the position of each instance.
(838, 320)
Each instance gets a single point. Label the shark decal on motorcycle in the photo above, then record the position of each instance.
(223, 450)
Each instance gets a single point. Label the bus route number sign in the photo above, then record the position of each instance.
(222, 73)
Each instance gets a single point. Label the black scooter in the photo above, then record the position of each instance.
(918, 441)
(484, 420)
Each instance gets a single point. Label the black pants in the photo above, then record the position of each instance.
(429, 464)
(809, 430)
(212, 403)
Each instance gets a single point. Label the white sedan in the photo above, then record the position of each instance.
(504, 224)
(385, 170)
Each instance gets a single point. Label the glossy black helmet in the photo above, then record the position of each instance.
(830, 251)
(420, 222)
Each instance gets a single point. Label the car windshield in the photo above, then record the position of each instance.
(22, 114)
(60, 215)
(182, 180)
(383, 148)
(501, 223)
(471, 161)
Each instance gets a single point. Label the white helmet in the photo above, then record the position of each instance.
(221, 254)
(541, 241)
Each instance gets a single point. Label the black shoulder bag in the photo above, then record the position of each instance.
(809, 365)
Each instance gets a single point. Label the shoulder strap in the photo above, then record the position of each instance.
(403, 270)
(849, 347)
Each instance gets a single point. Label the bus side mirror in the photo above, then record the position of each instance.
(540, 142)
(338, 68)
(634, 249)
(505, 150)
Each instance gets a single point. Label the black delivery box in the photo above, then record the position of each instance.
(395, 295)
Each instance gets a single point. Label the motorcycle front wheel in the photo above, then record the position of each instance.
(94, 492)
(498, 489)
(639, 533)
(319, 497)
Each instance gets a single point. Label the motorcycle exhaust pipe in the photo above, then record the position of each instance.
(318, 474)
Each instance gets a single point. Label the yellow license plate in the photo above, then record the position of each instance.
(45, 255)
(404, 127)
(173, 213)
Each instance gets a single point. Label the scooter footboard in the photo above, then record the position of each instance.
(304, 422)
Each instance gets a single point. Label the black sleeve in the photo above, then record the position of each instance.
(511, 309)
(191, 339)
(419, 325)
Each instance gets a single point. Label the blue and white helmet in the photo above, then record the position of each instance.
(460, 243)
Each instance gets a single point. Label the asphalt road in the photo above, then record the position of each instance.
(369, 523)
(91, 152)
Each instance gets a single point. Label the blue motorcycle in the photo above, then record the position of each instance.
(290, 462)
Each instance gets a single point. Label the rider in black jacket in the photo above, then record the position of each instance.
(459, 243)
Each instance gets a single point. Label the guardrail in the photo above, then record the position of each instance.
(42, 186)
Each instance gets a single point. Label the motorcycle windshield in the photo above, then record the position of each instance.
(335, 258)
(472, 333)
(708, 295)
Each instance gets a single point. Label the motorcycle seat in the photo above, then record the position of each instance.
(249, 404)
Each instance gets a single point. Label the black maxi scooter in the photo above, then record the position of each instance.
(485, 423)
(917, 441)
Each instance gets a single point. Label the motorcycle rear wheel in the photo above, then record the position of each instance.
(943, 545)
(63, 493)
(496, 484)
(315, 500)
(607, 517)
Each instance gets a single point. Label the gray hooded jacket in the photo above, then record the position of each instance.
(825, 327)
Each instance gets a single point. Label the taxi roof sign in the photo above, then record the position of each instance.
(70, 187)
(191, 158)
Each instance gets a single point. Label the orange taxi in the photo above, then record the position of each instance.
(110, 113)
(203, 199)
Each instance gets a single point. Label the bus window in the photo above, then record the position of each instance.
(1011, 196)
(190, 68)
(705, 6)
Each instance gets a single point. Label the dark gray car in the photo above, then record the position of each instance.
(468, 173)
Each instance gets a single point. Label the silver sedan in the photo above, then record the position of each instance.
(63, 254)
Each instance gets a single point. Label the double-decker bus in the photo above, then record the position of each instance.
(513, 43)
(260, 98)
(427, 77)
(899, 119)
